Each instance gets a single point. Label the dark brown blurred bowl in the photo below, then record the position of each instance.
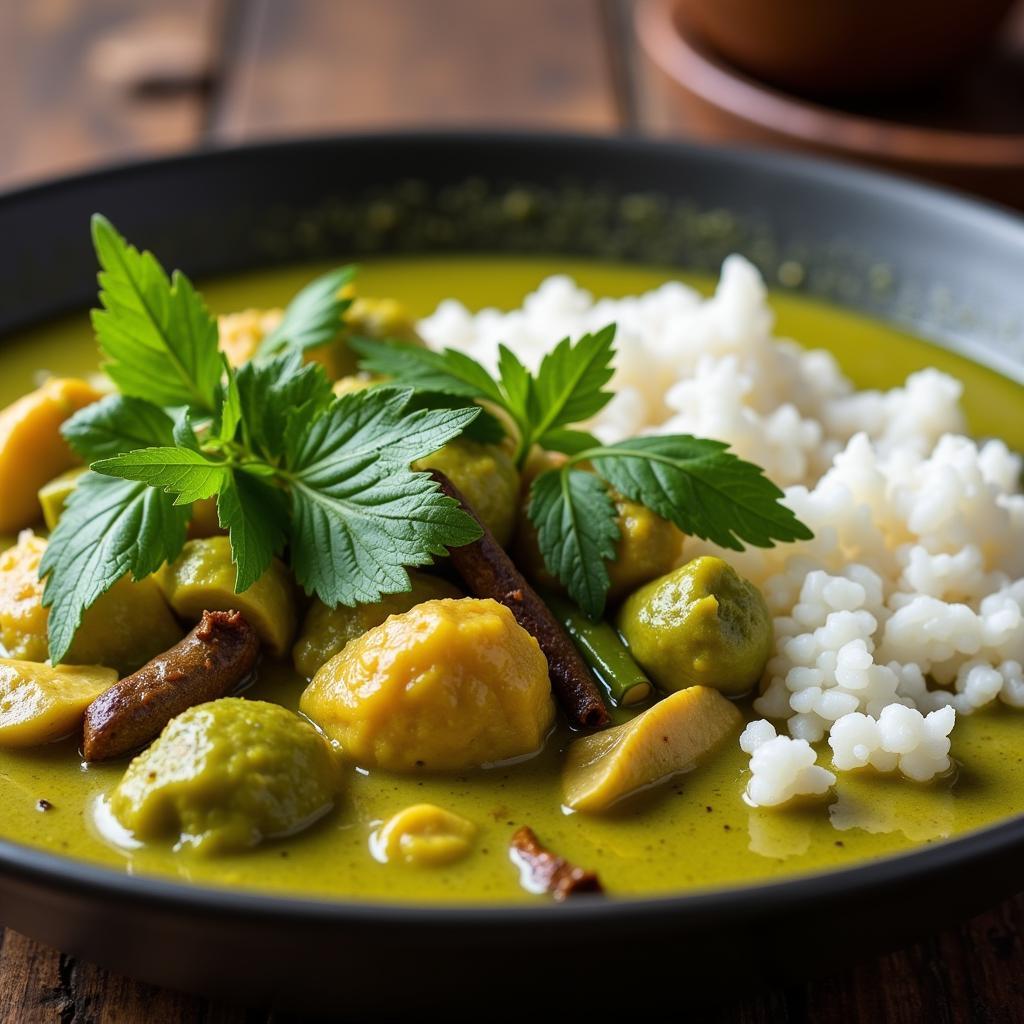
(846, 47)
(975, 143)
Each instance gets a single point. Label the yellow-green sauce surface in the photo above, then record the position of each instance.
(694, 832)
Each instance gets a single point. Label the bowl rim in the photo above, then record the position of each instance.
(37, 868)
(696, 68)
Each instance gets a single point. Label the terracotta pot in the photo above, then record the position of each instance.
(691, 90)
(846, 47)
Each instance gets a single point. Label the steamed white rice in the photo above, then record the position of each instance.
(907, 607)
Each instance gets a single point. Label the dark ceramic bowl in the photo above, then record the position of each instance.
(948, 268)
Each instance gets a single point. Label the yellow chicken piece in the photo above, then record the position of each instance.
(325, 631)
(32, 450)
(39, 704)
(669, 738)
(424, 834)
(444, 686)
(202, 578)
(127, 626)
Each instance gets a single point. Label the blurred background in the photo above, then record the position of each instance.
(933, 89)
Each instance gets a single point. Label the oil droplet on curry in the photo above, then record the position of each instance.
(410, 814)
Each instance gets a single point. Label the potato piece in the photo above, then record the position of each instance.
(423, 834)
(445, 686)
(326, 631)
(40, 704)
(669, 738)
(127, 626)
(32, 450)
(54, 494)
(226, 775)
(202, 578)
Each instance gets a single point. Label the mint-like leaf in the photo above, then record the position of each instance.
(159, 339)
(312, 318)
(255, 515)
(702, 487)
(577, 532)
(109, 528)
(449, 372)
(184, 472)
(359, 514)
(115, 425)
(569, 384)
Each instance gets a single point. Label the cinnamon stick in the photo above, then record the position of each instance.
(544, 871)
(487, 571)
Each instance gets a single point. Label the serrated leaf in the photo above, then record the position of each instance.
(255, 515)
(269, 394)
(181, 471)
(568, 442)
(109, 528)
(312, 318)
(702, 487)
(576, 532)
(158, 338)
(115, 425)
(449, 372)
(230, 409)
(569, 385)
(359, 514)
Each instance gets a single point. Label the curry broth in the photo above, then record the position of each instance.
(693, 832)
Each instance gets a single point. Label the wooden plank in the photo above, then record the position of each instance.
(85, 82)
(38, 985)
(311, 66)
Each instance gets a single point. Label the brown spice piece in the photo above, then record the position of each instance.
(544, 871)
(208, 663)
(487, 571)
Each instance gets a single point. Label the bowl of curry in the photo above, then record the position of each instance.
(537, 563)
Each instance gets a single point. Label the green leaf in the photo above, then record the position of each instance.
(359, 514)
(702, 487)
(255, 514)
(569, 442)
(231, 408)
(115, 425)
(448, 372)
(271, 393)
(313, 317)
(517, 386)
(158, 338)
(109, 528)
(485, 429)
(569, 384)
(576, 532)
(181, 471)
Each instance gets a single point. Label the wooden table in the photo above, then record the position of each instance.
(86, 81)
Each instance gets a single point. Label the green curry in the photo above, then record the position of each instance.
(693, 832)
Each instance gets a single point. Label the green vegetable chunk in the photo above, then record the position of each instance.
(604, 652)
(227, 775)
(701, 625)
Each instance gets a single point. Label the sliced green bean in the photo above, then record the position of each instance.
(604, 652)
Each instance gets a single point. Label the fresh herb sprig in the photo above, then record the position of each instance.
(697, 484)
(290, 465)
